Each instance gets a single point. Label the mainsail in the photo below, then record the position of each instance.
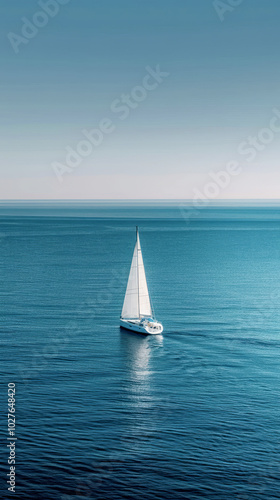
(137, 301)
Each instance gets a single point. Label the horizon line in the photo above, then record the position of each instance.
(143, 200)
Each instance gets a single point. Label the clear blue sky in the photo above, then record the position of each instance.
(223, 83)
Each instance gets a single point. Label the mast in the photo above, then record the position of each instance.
(137, 239)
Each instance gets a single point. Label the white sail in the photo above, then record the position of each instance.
(144, 299)
(137, 301)
(131, 301)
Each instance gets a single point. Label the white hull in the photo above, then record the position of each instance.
(145, 328)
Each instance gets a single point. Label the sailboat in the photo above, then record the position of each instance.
(137, 313)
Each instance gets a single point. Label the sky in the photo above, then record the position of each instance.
(140, 99)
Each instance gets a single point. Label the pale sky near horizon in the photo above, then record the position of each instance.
(220, 86)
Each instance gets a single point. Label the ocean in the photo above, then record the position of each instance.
(106, 414)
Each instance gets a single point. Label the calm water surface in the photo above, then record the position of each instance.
(104, 414)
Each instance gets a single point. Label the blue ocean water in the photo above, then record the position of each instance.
(106, 414)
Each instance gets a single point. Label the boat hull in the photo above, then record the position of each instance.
(140, 328)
